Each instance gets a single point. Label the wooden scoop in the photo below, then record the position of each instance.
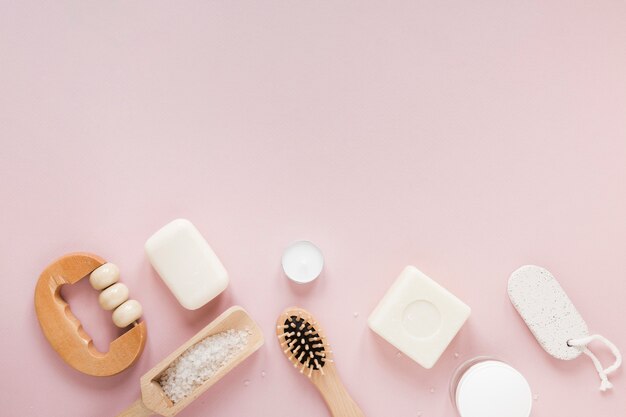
(153, 398)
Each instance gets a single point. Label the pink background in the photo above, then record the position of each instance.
(466, 138)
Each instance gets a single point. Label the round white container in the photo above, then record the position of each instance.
(486, 387)
(302, 261)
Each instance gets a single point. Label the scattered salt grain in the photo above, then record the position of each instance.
(246, 382)
(200, 362)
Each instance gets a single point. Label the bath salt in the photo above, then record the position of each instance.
(200, 362)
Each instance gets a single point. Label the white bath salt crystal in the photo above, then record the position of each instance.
(200, 362)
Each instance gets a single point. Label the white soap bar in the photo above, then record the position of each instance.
(419, 317)
(186, 263)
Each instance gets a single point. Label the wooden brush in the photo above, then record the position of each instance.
(303, 342)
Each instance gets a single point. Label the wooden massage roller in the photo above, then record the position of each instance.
(65, 332)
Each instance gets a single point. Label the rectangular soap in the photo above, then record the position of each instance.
(418, 316)
(186, 263)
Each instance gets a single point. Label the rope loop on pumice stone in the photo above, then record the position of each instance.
(583, 342)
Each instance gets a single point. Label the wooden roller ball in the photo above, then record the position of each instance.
(114, 295)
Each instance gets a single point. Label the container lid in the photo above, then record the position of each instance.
(493, 389)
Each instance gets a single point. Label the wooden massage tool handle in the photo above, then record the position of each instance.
(65, 332)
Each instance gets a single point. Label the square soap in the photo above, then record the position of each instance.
(418, 316)
(186, 263)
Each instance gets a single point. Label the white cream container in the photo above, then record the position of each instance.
(486, 387)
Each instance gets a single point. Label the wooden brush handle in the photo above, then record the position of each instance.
(337, 398)
(137, 409)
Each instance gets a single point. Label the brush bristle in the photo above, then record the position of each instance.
(302, 341)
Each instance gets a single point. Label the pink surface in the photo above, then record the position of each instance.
(466, 138)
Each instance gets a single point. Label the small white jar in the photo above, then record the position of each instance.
(487, 387)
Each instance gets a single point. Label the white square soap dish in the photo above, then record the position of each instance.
(419, 317)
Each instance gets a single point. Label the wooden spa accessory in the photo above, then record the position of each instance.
(65, 332)
(305, 345)
(154, 400)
